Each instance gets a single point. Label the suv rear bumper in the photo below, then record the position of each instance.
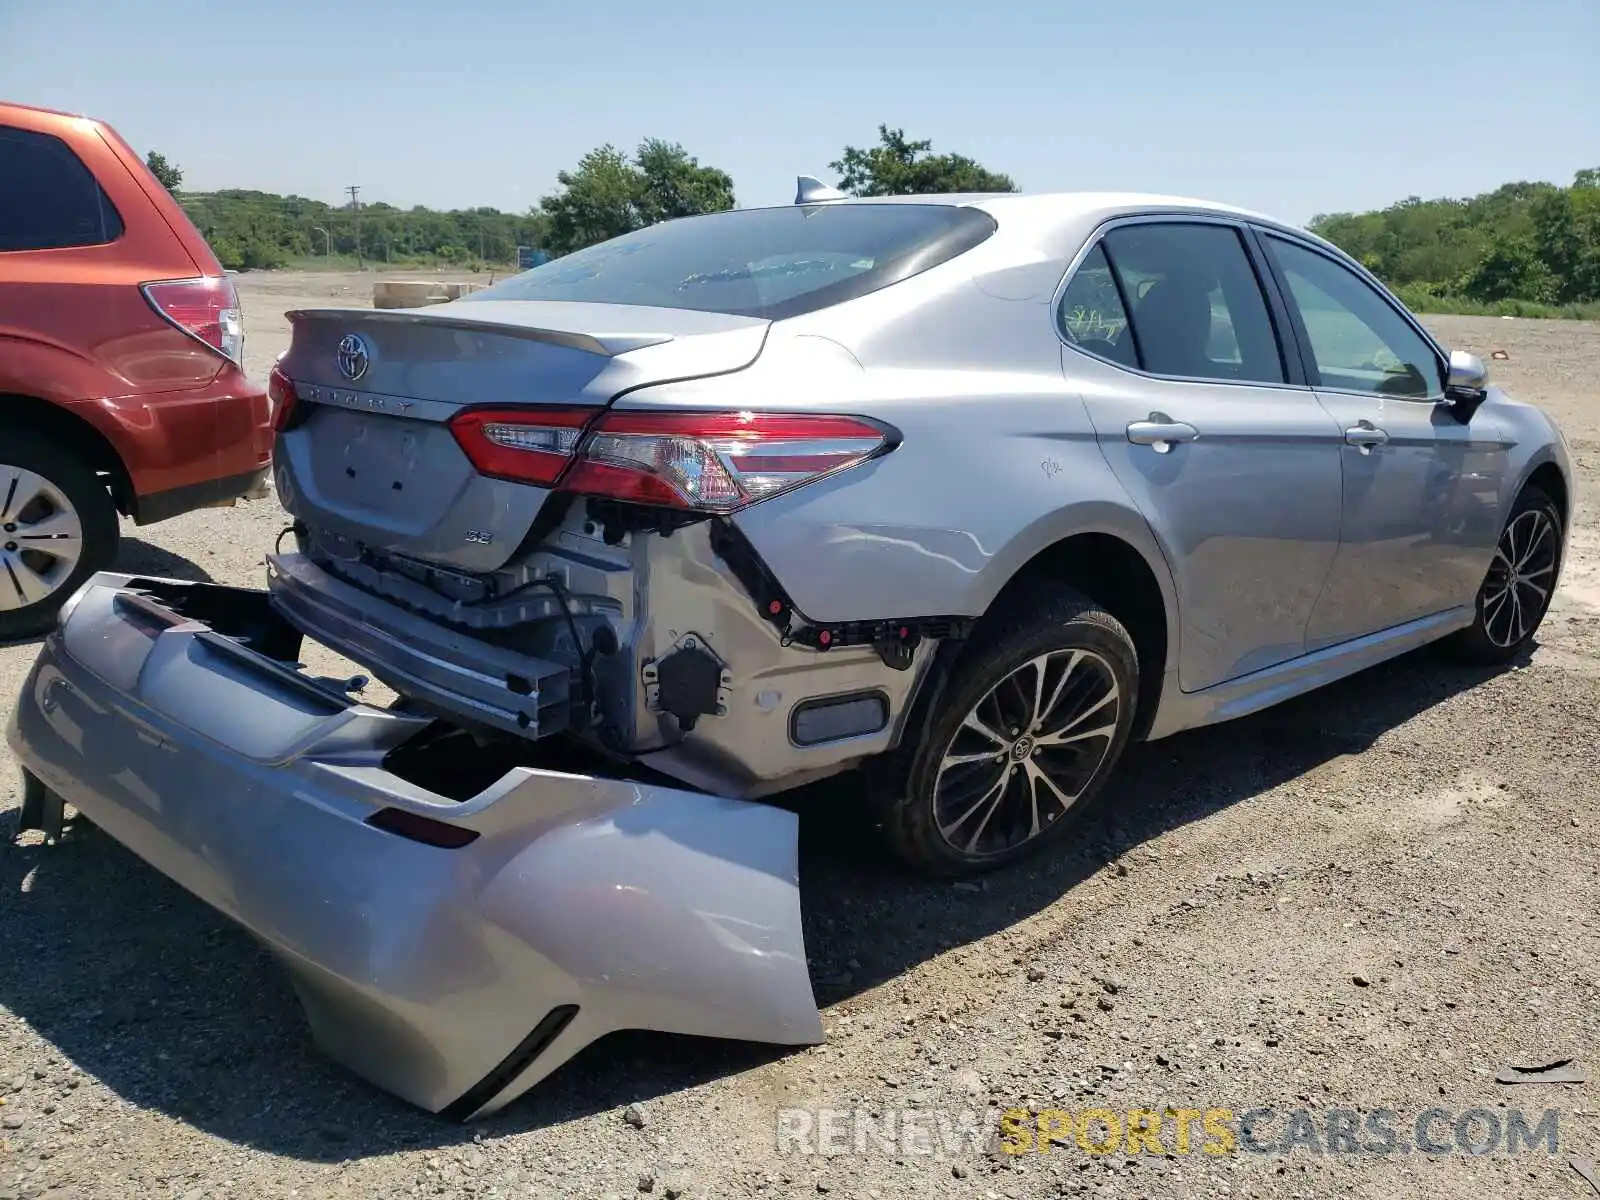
(456, 978)
(252, 485)
(185, 450)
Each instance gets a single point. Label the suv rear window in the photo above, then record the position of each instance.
(48, 199)
(757, 262)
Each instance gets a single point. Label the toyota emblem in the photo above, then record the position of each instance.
(354, 357)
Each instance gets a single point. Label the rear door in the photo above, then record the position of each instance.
(1210, 428)
(1421, 487)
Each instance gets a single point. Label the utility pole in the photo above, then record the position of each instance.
(355, 203)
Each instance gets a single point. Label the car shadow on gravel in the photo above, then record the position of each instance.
(135, 556)
(172, 1008)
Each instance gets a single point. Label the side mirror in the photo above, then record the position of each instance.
(1466, 384)
(1467, 374)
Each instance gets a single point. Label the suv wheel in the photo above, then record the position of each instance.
(1517, 589)
(57, 527)
(1031, 724)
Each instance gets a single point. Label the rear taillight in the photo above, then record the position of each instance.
(705, 462)
(527, 445)
(719, 462)
(280, 390)
(207, 309)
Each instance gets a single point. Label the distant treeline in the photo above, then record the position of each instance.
(1528, 249)
(258, 230)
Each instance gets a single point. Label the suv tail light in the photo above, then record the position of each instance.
(719, 462)
(207, 309)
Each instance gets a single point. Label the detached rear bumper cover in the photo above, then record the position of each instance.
(456, 978)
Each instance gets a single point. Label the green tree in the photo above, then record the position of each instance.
(674, 184)
(168, 173)
(608, 194)
(596, 202)
(1528, 241)
(897, 167)
(1511, 270)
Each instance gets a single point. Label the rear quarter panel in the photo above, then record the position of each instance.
(998, 462)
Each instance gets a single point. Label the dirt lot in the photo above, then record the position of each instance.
(1366, 899)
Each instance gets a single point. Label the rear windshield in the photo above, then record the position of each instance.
(757, 262)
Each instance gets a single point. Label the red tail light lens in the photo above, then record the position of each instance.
(280, 390)
(526, 445)
(207, 309)
(720, 462)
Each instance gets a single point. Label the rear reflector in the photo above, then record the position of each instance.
(207, 309)
(419, 828)
(719, 462)
(524, 444)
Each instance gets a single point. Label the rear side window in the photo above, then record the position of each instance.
(1195, 307)
(48, 199)
(1091, 313)
(758, 262)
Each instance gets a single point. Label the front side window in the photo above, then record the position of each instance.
(48, 199)
(1194, 306)
(758, 262)
(1359, 342)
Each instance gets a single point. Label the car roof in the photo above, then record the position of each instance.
(1072, 204)
(1054, 209)
(15, 107)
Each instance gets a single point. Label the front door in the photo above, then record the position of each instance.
(1421, 487)
(1210, 429)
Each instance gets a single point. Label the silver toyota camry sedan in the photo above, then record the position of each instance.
(970, 492)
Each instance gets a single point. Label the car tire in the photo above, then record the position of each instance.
(1061, 654)
(58, 526)
(1510, 607)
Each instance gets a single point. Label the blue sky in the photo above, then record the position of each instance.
(1292, 107)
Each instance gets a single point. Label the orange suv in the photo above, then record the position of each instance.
(121, 347)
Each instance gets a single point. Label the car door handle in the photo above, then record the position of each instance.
(1160, 432)
(1365, 435)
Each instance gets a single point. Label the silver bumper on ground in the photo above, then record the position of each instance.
(456, 978)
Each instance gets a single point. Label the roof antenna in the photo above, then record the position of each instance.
(811, 190)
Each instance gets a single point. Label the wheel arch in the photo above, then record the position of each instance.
(1121, 578)
(1552, 481)
(24, 412)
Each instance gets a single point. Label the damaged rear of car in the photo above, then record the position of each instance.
(524, 514)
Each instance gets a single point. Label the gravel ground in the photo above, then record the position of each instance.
(1366, 899)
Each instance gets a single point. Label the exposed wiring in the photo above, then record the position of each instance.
(277, 546)
(553, 584)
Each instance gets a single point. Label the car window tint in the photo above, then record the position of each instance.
(1197, 307)
(1360, 343)
(48, 199)
(1091, 313)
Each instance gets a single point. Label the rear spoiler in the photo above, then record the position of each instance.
(608, 345)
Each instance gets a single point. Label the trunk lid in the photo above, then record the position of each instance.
(370, 459)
